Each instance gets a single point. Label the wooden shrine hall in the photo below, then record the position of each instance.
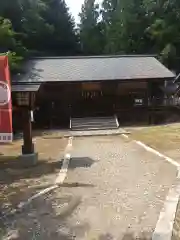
(59, 89)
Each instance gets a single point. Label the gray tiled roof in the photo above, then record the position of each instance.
(94, 69)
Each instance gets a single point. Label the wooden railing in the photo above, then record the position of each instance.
(171, 101)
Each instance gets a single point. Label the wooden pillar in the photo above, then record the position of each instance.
(28, 147)
(149, 102)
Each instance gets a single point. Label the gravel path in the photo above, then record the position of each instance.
(17, 184)
(114, 190)
(127, 187)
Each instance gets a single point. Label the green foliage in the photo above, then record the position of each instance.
(62, 39)
(164, 28)
(125, 22)
(42, 27)
(132, 26)
(7, 35)
(91, 30)
(45, 27)
(9, 43)
(14, 61)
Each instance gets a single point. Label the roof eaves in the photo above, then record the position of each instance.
(90, 57)
(89, 80)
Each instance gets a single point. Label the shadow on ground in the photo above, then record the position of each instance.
(46, 218)
(11, 197)
(127, 236)
(51, 217)
(81, 162)
(11, 168)
(18, 184)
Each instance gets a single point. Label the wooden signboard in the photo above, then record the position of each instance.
(91, 86)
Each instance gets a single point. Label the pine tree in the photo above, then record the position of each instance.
(63, 39)
(91, 30)
(124, 25)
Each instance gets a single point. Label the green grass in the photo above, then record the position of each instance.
(159, 137)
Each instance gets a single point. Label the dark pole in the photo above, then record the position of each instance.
(150, 104)
(28, 147)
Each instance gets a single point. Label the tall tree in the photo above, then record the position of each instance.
(91, 29)
(13, 10)
(125, 23)
(42, 26)
(63, 39)
(35, 29)
(164, 28)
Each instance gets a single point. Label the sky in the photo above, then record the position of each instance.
(75, 8)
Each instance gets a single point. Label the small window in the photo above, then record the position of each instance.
(23, 98)
(138, 102)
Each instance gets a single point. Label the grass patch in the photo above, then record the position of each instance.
(8, 158)
(159, 137)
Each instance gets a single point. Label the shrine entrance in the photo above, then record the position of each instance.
(92, 100)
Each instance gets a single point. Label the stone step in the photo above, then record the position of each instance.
(94, 123)
(93, 128)
(92, 119)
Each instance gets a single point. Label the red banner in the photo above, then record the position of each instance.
(6, 133)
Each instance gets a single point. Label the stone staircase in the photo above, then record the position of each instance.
(94, 123)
